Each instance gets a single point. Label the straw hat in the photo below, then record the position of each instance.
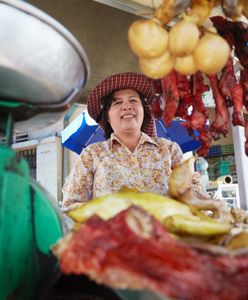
(128, 80)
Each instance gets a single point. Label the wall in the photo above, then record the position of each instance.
(101, 30)
(49, 166)
(47, 169)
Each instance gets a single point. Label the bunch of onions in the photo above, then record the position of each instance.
(149, 41)
(211, 53)
(183, 48)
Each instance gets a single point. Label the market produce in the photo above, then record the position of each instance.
(144, 241)
(200, 10)
(229, 86)
(157, 67)
(198, 118)
(182, 246)
(134, 251)
(177, 93)
(227, 81)
(148, 38)
(185, 65)
(240, 216)
(236, 33)
(244, 84)
(180, 188)
(183, 38)
(179, 216)
(164, 209)
(211, 54)
(185, 98)
(199, 58)
(187, 225)
(239, 240)
(109, 205)
(220, 125)
(185, 92)
(170, 91)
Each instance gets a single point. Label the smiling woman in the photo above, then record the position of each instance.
(132, 156)
(125, 116)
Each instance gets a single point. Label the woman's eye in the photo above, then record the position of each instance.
(117, 103)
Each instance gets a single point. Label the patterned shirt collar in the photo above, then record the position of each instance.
(144, 138)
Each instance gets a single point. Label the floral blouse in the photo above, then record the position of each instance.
(106, 167)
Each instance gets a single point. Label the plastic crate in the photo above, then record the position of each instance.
(223, 164)
(227, 149)
(224, 171)
(214, 151)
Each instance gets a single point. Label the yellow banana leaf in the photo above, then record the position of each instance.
(193, 225)
(109, 205)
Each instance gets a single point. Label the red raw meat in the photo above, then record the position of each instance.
(184, 89)
(133, 250)
(220, 125)
(156, 107)
(237, 96)
(199, 115)
(244, 83)
(233, 92)
(171, 96)
(227, 81)
(205, 138)
(225, 28)
(240, 34)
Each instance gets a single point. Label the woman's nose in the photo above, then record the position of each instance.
(127, 106)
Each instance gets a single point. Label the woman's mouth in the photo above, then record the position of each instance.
(127, 116)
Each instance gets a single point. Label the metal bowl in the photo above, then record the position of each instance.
(41, 63)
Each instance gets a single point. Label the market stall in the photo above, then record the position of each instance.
(129, 244)
(184, 58)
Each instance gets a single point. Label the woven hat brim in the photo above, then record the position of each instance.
(138, 82)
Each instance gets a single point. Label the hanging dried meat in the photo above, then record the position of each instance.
(220, 124)
(171, 94)
(188, 50)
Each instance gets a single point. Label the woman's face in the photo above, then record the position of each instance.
(126, 112)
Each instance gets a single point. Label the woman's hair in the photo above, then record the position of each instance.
(106, 102)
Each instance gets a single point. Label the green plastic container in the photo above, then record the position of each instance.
(29, 224)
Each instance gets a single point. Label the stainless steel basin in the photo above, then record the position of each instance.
(41, 63)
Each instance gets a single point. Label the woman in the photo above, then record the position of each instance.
(131, 156)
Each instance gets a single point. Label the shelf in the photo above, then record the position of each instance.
(218, 156)
(221, 165)
(220, 150)
(226, 192)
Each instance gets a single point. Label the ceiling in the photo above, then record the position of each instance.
(132, 6)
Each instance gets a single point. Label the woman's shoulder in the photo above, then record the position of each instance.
(168, 145)
(163, 141)
(96, 147)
